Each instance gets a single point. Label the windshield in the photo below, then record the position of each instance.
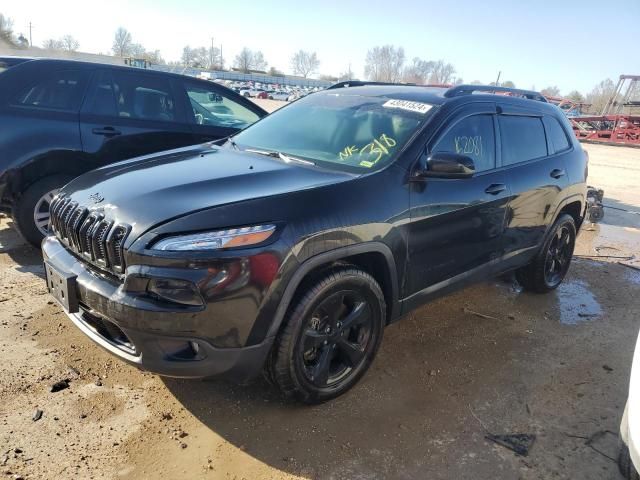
(349, 132)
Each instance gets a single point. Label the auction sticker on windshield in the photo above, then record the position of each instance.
(417, 107)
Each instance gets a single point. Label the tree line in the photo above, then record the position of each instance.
(385, 63)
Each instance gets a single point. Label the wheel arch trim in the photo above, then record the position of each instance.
(332, 256)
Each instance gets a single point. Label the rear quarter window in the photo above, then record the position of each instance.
(556, 134)
(522, 138)
(62, 91)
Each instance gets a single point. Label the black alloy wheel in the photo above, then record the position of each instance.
(547, 269)
(335, 338)
(330, 336)
(558, 256)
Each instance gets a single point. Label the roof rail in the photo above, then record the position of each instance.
(469, 89)
(362, 83)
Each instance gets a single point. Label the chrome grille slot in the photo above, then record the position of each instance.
(64, 216)
(115, 242)
(99, 242)
(76, 219)
(89, 234)
(84, 236)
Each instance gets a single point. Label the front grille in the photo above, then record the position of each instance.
(89, 234)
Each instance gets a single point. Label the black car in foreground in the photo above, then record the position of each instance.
(61, 118)
(289, 248)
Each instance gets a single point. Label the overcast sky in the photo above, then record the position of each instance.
(568, 43)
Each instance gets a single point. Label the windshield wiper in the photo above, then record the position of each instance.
(282, 156)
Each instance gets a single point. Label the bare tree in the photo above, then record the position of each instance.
(52, 44)
(244, 60)
(6, 29)
(69, 43)
(304, 63)
(600, 95)
(188, 56)
(418, 72)
(214, 58)
(508, 84)
(551, 91)
(384, 64)
(575, 96)
(122, 43)
(136, 50)
(153, 56)
(259, 63)
(443, 73)
(248, 60)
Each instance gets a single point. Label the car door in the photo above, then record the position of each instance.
(456, 225)
(131, 113)
(215, 112)
(536, 175)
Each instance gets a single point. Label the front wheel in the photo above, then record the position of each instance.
(550, 265)
(31, 212)
(331, 336)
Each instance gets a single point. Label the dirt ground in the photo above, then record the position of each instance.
(554, 365)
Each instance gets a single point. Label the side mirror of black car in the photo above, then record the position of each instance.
(446, 165)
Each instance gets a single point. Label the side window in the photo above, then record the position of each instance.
(474, 137)
(102, 99)
(522, 138)
(143, 97)
(556, 134)
(59, 91)
(210, 107)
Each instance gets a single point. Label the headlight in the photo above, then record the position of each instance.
(235, 237)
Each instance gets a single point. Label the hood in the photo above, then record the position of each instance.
(150, 190)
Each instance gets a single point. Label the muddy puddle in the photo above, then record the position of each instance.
(577, 303)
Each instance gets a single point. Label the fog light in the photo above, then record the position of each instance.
(175, 290)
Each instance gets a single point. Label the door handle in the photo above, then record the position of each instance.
(495, 188)
(106, 131)
(557, 173)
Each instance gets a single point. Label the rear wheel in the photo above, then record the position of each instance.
(331, 336)
(549, 267)
(31, 213)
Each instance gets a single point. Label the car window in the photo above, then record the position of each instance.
(474, 137)
(102, 100)
(556, 134)
(210, 107)
(522, 138)
(348, 132)
(143, 97)
(58, 91)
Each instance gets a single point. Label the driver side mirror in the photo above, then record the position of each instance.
(445, 165)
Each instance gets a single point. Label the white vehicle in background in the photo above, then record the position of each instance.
(245, 92)
(282, 96)
(629, 455)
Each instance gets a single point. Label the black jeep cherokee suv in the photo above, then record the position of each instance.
(290, 247)
(61, 118)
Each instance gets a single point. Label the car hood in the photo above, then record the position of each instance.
(151, 190)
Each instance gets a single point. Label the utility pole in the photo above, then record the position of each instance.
(221, 59)
(30, 39)
(498, 79)
(211, 59)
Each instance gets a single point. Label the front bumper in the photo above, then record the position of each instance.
(161, 339)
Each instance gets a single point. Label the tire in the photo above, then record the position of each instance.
(30, 204)
(625, 464)
(330, 336)
(550, 265)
